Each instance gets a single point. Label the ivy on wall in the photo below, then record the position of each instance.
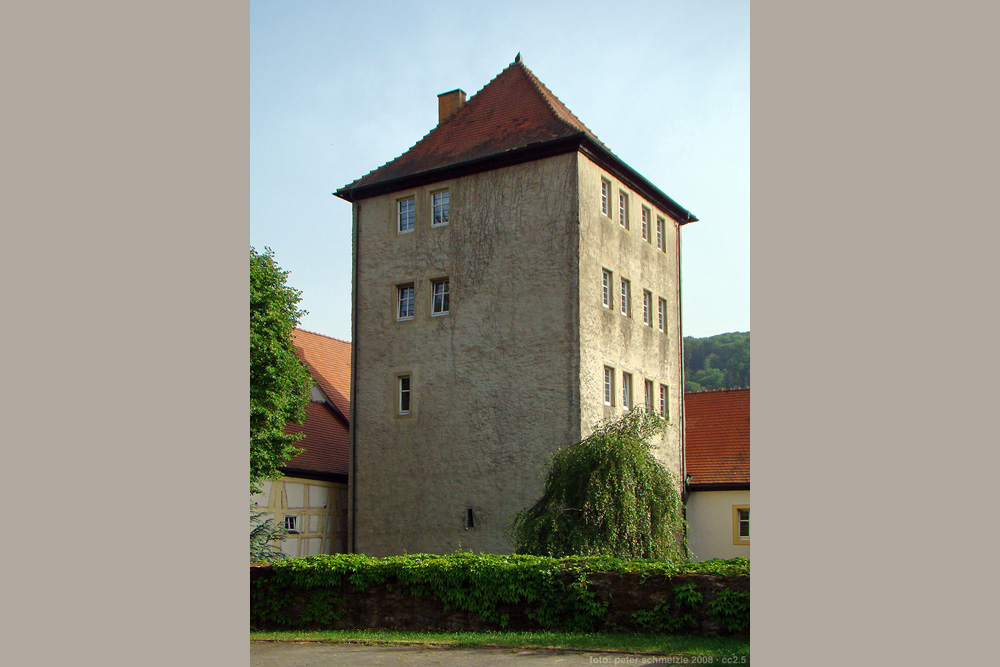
(555, 593)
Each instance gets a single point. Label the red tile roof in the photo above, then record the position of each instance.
(513, 118)
(329, 361)
(326, 442)
(717, 436)
(512, 111)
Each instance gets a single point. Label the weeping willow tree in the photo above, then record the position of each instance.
(607, 495)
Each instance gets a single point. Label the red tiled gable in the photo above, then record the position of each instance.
(512, 111)
(329, 361)
(717, 436)
(325, 443)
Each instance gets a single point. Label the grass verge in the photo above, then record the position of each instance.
(735, 649)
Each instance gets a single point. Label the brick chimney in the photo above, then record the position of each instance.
(449, 103)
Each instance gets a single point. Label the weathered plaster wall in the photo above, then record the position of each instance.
(608, 338)
(493, 383)
(710, 524)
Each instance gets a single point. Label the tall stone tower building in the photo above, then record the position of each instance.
(515, 283)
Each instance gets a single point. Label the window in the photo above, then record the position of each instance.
(649, 394)
(623, 209)
(404, 394)
(662, 315)
(439, 297)
(470, 519)
(439, 208)
(664, 402)
(741, 524)
(407, 210)
(626, 298)
(404, 300)
(660, 242)
(647, 307)
(609, 385)
(605, 196)
(292, 523)
(626, 391)
(645, 224)
(606, 288)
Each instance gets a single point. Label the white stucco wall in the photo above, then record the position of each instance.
(710, 524)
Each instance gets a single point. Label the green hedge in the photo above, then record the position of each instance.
(553, 591)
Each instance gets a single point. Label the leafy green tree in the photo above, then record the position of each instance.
(279, 383)
(606, 495)
(717, 362)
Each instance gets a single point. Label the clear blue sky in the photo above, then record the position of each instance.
(340, 88)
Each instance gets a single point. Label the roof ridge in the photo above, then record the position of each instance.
(711, 391)
(316, 333)
(546, 94)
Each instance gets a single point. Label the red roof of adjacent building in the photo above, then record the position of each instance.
(329, 362)
(512, 111)
(326, 441)
(717, 436)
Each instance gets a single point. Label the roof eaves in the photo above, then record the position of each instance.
(527, 153)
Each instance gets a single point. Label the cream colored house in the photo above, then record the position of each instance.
(718, 468)
(310, 499)
(514, 284)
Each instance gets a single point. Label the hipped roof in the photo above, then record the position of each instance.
(514, 118)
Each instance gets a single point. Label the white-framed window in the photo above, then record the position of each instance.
(623, 209)
(292, 523)
(404, 302)
(606, 288)
(439, 208)
(741, 524)
(649, 395)
(626, 298)
(406, 209)
(661, 243)
(626, 391)
(606, 197)
(645, 224)
(609, 385)
(664, 401)
(440, 291)
(404, 394)
(661, 315)
(647, 307)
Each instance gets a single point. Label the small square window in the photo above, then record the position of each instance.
(404, 394)
(605, 197)
(647, 307)
(662, 315)
(406, 209)
(645, 224)
(626, 298)
(440, 297)
(609, 385)
(741, 525)
(626, 391)
(606, 288)
(292, 523)
(439, 208)
(404, 302)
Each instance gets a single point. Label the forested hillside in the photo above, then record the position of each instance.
(717, 362)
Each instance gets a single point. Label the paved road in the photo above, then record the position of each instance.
(309, 654)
